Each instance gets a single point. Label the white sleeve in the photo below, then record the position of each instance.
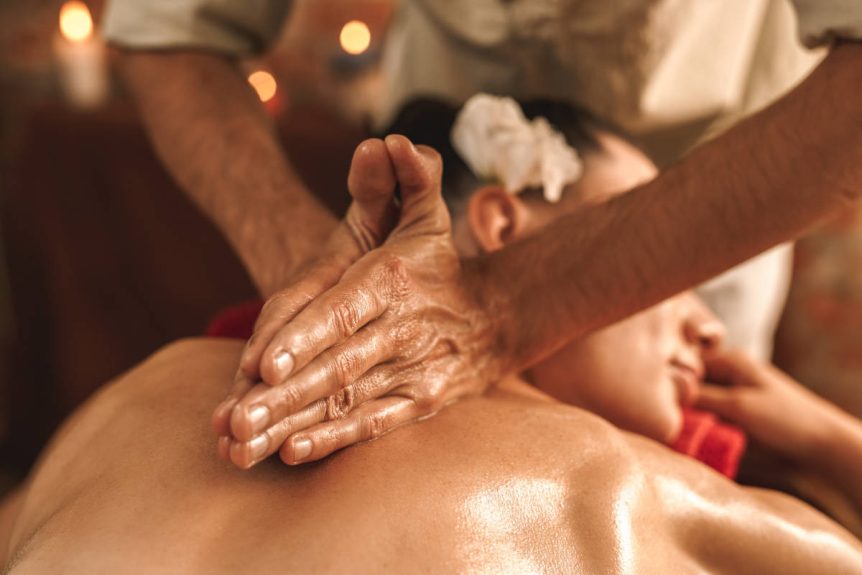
(233, 27)
(824, 21)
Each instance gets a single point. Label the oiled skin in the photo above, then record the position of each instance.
(513, 482)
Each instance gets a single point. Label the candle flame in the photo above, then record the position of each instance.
(76, 24)
(355, 37)
(264, 84)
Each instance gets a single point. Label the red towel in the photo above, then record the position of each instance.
(235, 322)
(703, 437)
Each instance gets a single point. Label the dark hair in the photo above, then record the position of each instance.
(429, 121)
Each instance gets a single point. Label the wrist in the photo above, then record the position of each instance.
(496, 319)
(277, 244)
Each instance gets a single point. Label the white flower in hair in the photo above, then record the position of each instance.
(499, 144)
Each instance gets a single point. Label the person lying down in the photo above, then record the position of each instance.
(641, 372)
(514, 481)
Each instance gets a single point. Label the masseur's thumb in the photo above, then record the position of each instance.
(418, 170)
(371, 183)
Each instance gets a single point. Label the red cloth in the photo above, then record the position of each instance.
(716, 444)
(235, 322)
(703, 437)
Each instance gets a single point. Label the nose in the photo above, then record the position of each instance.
(702, 328)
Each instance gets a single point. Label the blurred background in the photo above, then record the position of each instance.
(103, 260)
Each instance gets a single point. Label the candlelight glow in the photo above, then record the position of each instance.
(76, 24)
(264, 84)
(355, 37)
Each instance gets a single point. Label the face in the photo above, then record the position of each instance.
(639, 372)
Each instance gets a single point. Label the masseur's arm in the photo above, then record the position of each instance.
(769, 179)
(765, 181)
(212, 134)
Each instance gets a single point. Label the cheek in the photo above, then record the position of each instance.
(648, 401)
(630, 386)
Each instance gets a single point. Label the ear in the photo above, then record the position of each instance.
(496, 217)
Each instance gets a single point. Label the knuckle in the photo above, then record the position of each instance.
(338, 405)
(343, 368)
(292, 342)
(428, 401)
(248, 366)
(404, 334)
(290, 397)
(373, 426)
(365, 235)
(396, 276)
(275, 302)
(346, 317)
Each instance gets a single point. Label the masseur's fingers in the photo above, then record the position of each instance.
(245, 454)
(412, 291)
(224, 447)
(419, 172)
(328, 374)
(337, 406)
(331, 318)
(222, 414)
(342, 311)
(369, 220)
(352, 304)
(283, 307)
(279, 309)
(371, 183)
(369, 421)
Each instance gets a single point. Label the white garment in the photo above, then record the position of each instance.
(670, 72)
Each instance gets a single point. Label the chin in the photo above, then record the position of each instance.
(673, 428)
(667, 429)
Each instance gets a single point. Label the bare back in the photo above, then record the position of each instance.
(513, 482)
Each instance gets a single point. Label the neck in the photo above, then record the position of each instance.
(518, 386)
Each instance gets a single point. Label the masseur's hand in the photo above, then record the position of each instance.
(368, 221)
(770, 406)
(398, 337)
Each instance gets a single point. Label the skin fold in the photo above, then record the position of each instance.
(510, 482)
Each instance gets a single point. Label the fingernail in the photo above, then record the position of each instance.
(258, 418)
(301, 449)
(283, 364)
(258, 445)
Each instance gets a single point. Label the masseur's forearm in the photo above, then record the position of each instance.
(767, 180)
(213, 136)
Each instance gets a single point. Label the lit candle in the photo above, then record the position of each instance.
(81, 57)
(265, 86)
(355, 37)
